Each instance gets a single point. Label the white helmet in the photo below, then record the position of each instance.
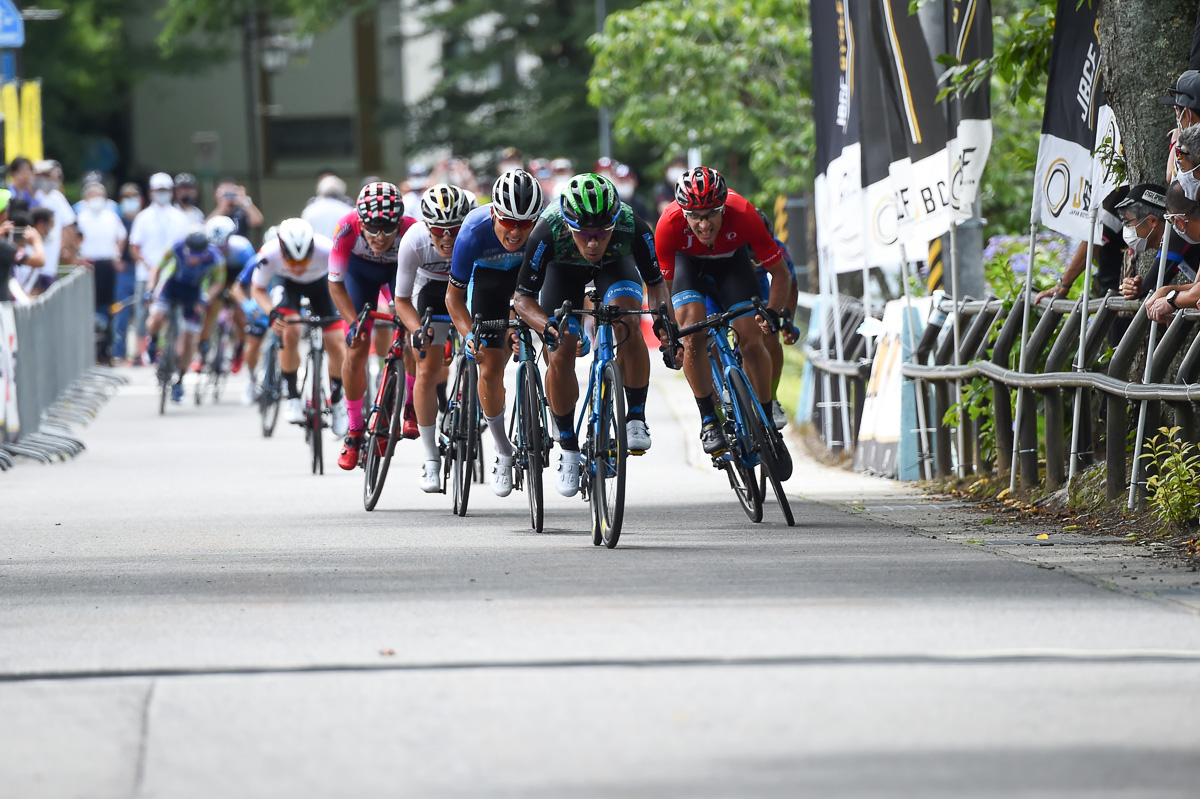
(443, 205)
(219, 229)
(296, 240)
(271, 234)
(517, 195)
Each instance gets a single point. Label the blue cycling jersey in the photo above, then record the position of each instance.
(478, 247)
(190, 270)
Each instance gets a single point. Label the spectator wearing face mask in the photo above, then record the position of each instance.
(418, 181)
(102, 246)
(664, 192)
(187, 197)
(563, 171)
(1143, 221)
(62, 245)
(157, 228)
(127, 288)
(626, 182)
(20, 181)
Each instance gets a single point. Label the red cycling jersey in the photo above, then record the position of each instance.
(740, 225)
(350, 244)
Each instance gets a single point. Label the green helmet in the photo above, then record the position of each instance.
(589, 201)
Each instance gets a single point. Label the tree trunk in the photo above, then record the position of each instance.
(1144, 47)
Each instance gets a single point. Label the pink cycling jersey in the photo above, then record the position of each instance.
(349, 245)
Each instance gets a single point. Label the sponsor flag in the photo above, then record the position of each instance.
(1064, 183)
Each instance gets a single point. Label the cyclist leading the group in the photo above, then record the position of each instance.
(590, 235)
(704, 238)
(362, 263)
(301, 259)
(187, 269)
(487, 258)
(426, 250)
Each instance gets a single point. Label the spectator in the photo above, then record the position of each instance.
(30, 244)
(325, 210)
(187, 197)
(232, 202)
(102, 246)
(62, 245)
(418, 181)
(626, 182)
(8, 252)
(1184, 215)
(155, 229)
(510, 158)
(457, 172)
(563, 171)
(1142, 223)
(664, 192)
(20, 180)
(127, 294)
(93, 176)
(1109, 254)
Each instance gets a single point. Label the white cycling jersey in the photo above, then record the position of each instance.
(271, 263)
(418, 257)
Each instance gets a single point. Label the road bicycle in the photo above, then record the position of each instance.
(751, 439)
(315, 408)
(604, 450)
(462, 426)
(270, 384)
(214, 368)
(167, 372)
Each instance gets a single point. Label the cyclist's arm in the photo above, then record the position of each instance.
(408, 261)
(646, 260)
(343, 303)
(214, 280)
(456, 304)
(163, 272)
(462, 264)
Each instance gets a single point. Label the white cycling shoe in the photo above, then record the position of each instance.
(431, 477)
(341, 419)
(566, 480)
(778, 415)
(250, 393)
(295, 411)
(637, 436)
(502, 475)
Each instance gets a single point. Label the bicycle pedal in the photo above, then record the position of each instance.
(637, 452)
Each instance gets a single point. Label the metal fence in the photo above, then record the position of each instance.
(55, 380)
(1111, 392)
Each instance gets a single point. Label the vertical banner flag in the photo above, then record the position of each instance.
(1063, 179)
(10, 105)
(31, 120)
(838, 186)
(945, 143)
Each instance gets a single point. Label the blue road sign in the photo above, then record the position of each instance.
(12, 27)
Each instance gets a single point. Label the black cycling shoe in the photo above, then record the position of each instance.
(783, 459)
(712, 439)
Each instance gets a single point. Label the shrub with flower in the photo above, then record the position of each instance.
(1006, 260)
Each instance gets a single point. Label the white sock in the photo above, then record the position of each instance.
(429, 439)
(496, 425)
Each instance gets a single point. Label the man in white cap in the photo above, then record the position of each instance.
(325, 210)
(418, 181)
(156, 228)
(63, 242)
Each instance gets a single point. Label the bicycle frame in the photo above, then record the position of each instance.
(724, 362)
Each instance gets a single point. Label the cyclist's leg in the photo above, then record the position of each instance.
(362, 282)
(737, 285)
(563, 284)
(334, 333)
(289, 351)
(489, 296)
(687, 297)
(621, 285)
(772, 343)
(431, 296)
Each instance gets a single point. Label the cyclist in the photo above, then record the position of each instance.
(708, 231)
(257, 321)
(424, 269)
(301, 259)
(362, 263)
(186, 270)
(238, 252)
(590, 235)
(483, 276)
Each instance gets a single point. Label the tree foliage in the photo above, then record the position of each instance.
(514, 73)
(214, 17)
(723, 74)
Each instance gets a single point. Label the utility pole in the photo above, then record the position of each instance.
(249, 82)
(605, 125)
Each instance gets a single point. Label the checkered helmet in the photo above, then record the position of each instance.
(379, 203)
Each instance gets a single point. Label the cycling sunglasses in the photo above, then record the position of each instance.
(592, 234)
(439, 232)
(513, 224)
(705, 215)
(374, 228)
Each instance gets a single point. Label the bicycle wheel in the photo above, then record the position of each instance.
(738, 463)
(384, 425)
(752, 417)
(316, 413)
(608, 455)
(268, 398)
(463, 445)
(167, 359)
(216, 350)
(532, 442)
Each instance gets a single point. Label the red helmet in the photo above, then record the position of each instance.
(379, 205)
(700, 188)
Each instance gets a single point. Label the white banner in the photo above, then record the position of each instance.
(839, 199)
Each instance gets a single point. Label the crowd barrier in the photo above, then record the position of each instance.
(933, 371)
(47, 375)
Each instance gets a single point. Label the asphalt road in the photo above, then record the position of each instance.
(186, 612)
